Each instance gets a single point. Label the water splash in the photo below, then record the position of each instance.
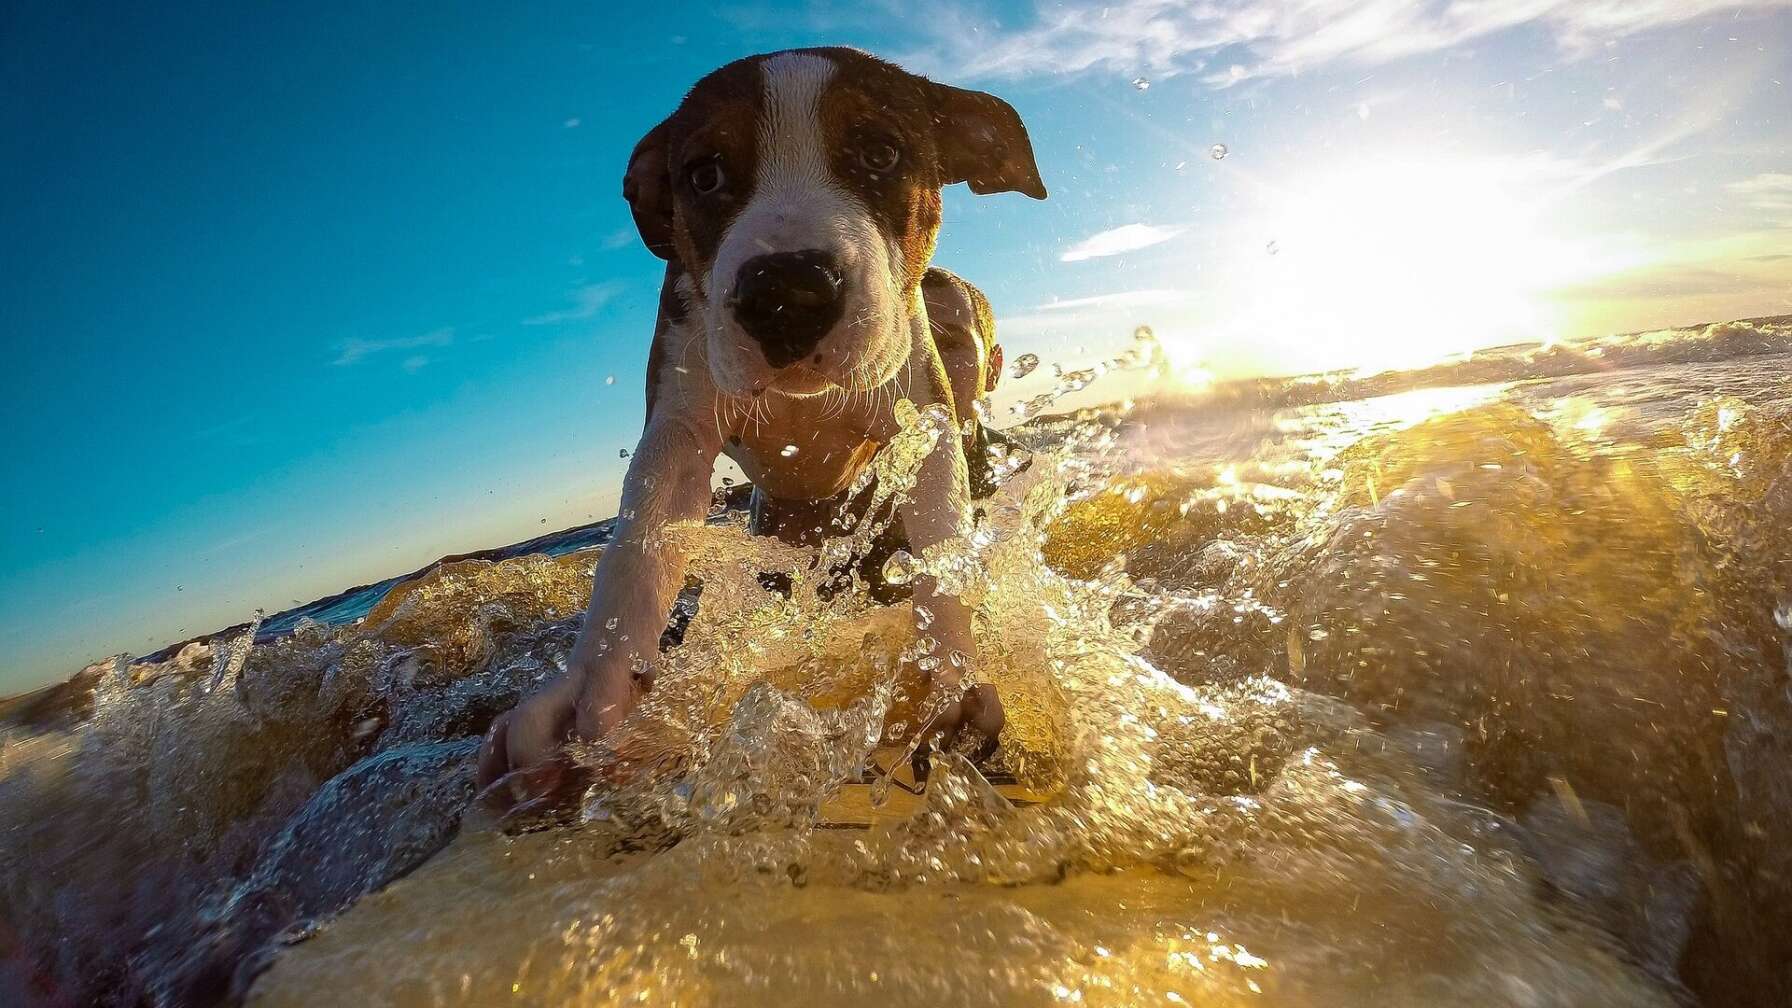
(1218, 838)
(1477, 571)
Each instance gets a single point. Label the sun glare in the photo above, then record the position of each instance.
(1402, 264)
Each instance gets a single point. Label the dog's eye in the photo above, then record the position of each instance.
(706, 176)
(879, 156)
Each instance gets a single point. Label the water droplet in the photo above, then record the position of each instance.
(788, 450)
(1140, 83)
(611, 379)
(1217, 152)
(1024, 365)
(1272, 248)
(900, 568)
(727, 481)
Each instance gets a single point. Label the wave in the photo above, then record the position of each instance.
(1431, 698)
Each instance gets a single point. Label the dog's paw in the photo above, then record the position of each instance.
(979, 710)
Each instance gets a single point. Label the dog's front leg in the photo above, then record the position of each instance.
(936, 513)
(642, 569)
(638, 576)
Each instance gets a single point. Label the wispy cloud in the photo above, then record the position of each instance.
(240, 539)
(1227, 41)
(1126, 238)
(1073, 317)
(587, 301)
(1673, 281)
(1117, 299)
(353, 350)
(619, 238)
(238, 431)
(1769, 193)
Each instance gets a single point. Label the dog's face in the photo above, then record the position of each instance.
(800, 192)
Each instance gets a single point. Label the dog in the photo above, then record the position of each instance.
(795, 197)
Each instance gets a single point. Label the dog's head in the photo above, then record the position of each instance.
(800, 192)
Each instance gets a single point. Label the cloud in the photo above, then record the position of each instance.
(240, 539)
(1672, 281)
(353, 349)
(619, 238)
(1778, 184)
(1227, 41)
(1117, 299)
(1769, 193)
(235, 432)
(1126, 238)
(587, 301)
(1069, 318)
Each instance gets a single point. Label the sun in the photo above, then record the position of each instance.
(1401, 263)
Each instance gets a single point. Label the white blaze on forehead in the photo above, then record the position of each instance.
(799, 204)
(793, 152)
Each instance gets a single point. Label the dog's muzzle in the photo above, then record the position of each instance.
(787, 301)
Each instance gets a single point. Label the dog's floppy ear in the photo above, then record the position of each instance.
(982, 141)
(647, 185)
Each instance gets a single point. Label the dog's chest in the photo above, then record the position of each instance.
(802, 449)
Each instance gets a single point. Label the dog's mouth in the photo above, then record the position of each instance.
(803, 379)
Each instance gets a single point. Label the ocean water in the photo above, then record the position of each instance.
(1462, 686)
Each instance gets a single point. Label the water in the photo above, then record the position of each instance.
(1471, 692)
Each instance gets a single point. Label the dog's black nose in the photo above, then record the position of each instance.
(788, 301)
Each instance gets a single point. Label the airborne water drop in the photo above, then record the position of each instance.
(900, 568)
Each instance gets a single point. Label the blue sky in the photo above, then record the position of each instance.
(299, 300)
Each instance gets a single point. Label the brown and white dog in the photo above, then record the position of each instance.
(796, 199)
